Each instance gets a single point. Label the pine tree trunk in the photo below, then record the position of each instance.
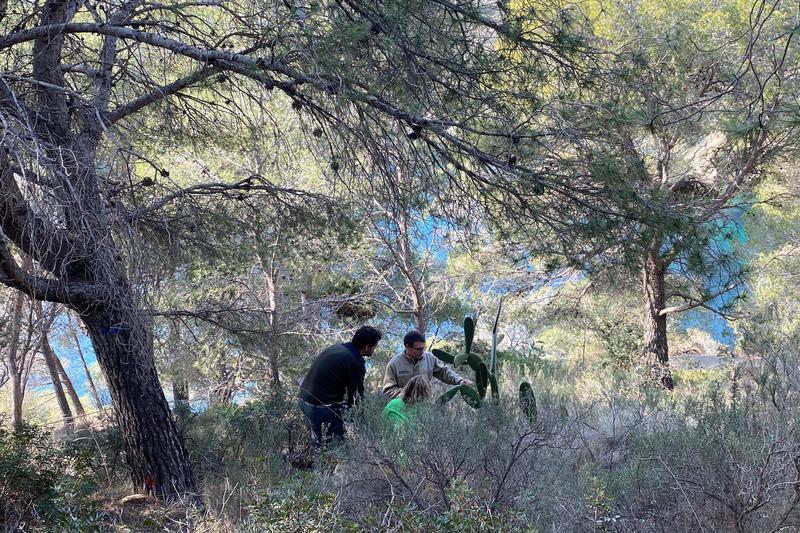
(14, 371)
(656, 347)
(17, 397)
(180, 396)
(52, 369)
(223, 375)
(274, 366)
(180, 391)
(97, 401)
(154, 450)
(419, 318)
(70, 388)
(75, 244)
(271, 281)
(414, 280)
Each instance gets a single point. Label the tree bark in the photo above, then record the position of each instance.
(83, 257)
(224, 388)
(155, 453)
(271, 280)
(419, 310)
(14, 371)
(656, 347)
(95, 395)
(52, 369)
(413, 275)
(177, 376)
(270, 269)
(180, 397)
(58, 376)
(69, 387)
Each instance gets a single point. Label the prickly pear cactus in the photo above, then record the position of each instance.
(485, 373)
(470, 395)
(469, 333)
(443, 356)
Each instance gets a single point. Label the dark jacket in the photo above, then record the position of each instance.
(339, 369)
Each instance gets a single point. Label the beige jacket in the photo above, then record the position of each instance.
(401, 369)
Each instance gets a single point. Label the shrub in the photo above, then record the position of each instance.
(43, 483)
(296, 505)
(460, 469)
(705, 462)
(622, 458)
(241, 445)
(467, 514)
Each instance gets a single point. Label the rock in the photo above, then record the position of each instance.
(136, 499)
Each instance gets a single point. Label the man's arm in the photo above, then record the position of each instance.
(391, 386)
(355, 382)
(444, 373)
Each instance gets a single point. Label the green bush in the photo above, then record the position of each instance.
(248, 444)
(460, 470)
(467, 513)
(297, 504)
(705, 461)
(719, 463)
(43, 483)
(622, 457)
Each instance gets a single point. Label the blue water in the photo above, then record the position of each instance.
(64, 346)
(730, 236)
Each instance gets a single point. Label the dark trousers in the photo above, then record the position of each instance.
(326, 421)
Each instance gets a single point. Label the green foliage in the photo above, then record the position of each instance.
(613, 467)
(449, 394)
(246, 442)
(297, 505)
(471, 396)
(460, 359)
(601, 505)
(600, 324)
(467, 513)
(484, 378)
(727, 458)
(43, 482)
(355, 305)
(469, 333)
(443, 356)
(697, 379)
(474, 360)
(493, 352)
(484, 482)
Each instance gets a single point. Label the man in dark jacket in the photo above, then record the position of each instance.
(337, 371)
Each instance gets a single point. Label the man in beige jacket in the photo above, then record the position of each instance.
(415, 361)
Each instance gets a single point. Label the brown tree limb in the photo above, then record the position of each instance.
(59, 254)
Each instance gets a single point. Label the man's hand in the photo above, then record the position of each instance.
(465, 381)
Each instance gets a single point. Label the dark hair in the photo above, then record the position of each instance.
(366, 336)
(412, 337)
